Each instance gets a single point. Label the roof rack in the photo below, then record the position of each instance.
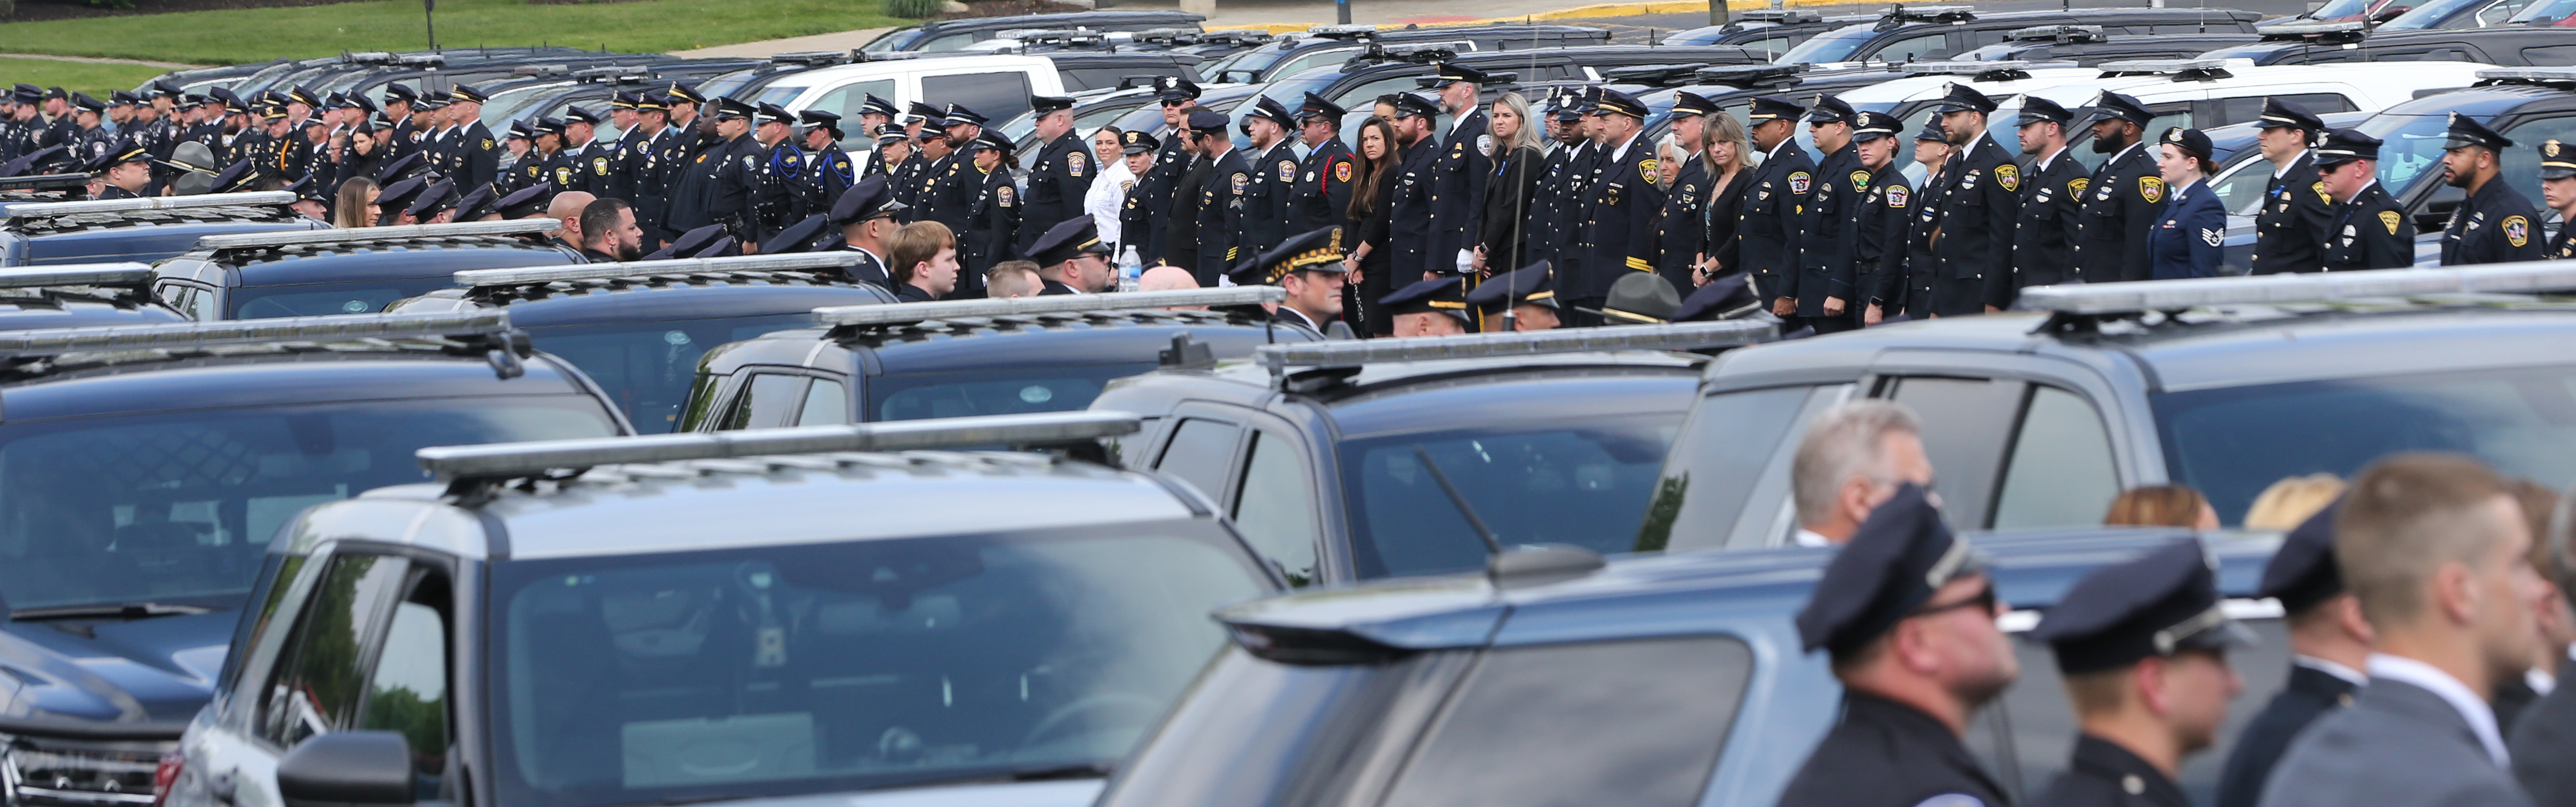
(1659, 75)
(508, 460)
(2329, 32)
(1898, 15)
(2007, 70)
(2179, 69)
(44, 182)
(34, 210)
(128, 273)
(1415, 52)
(2122, 299)
(1343, 32)
(363, 234)
(541, 70)
(676, 266)
(1780, 16)
(334, 328)
(1675, 336)
(2548, 76)
(1752, 75)
(389, 58)
(909, 313)
(811, 58)
(2060, 34)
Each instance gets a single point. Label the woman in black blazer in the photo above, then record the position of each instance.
(1518, 166)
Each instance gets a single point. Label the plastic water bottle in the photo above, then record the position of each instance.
(1131, 270)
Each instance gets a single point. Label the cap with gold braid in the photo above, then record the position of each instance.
(2557, 160)
(1067, 240)
(1316, 251)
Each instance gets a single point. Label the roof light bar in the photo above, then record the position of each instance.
(907, 313)
(334, 328)
(520, 459)
(675, 266)
(53, 209)
(2549, 74)
(76, 274)
(2173, 295)
(2051, 32)
(2307, 28)
(403, 233)
(1676, 336)
(1960, 68)
(43, 182)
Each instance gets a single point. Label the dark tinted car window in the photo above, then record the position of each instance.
(2042, 720)
(1584, 482)
(1731, 437)
(1965, 425)
(1200, 452)
(998, 96)
(1257, 732)
(913, 396)
(1565, 724)
(2060, 472)
(646, 367)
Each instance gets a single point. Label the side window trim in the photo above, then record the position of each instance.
(260, 660)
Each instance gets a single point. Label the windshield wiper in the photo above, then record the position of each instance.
(1079, 770)
(105, 610)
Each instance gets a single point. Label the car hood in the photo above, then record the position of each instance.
(154, 670)
(1067, 793)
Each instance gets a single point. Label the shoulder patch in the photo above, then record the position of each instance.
(1646, 168)
(1287, 170)
(1239, 181)
(2076, 186)
(1896, 195)
(2390, 219)
(487, 144)
(1485, 145)
(599, 165)
(1342, 171)
(1003, 194)
(2009, 176)
(2517, 230)
(2151, 189)
(1074, 165)
(1860, 180)
(1799, 182)
(2320, 188)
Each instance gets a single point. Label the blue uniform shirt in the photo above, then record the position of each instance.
(2186, 238)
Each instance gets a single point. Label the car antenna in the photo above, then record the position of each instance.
(1493, 546)
(1527, 565)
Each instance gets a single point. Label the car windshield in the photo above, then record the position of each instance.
(1831, 46)
(2548, 12)
(316, 299)
(505, 106)
(891, 41)
(2429, 15)
(179, 506)
(2410, 149)
(646, 367)
(1581, 481)
(838, 667)
(1248, 64)
(2338, 10)
(1268, 727)
(1056, 388)
(2233, 442)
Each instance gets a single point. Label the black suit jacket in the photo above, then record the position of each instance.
(2290, 231)
(2398, 744)
(2100, 775)
(2543, 743)
(2309, 694)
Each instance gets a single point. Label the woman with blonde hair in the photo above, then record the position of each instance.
(1727, 157)
(356, 203)
(2162, 506)
(2289, 502)
(1518, 165)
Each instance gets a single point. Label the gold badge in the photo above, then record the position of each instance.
(487, 144)
(1860, 180)
(2390, 219)
(2151, 189)
(2321, 193)
(2075, 187)
(2009, 175)
(2517, 230)
(1646, 168)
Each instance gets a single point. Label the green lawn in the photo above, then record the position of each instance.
(260, 34)
(89, 77)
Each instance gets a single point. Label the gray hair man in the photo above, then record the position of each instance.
(1852, 458)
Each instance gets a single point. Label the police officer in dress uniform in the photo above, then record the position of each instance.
(693, 196)
(1221, 197)
(1154, 190)
(2124, 195)
(929, 144)
(2043, 243)
(1462, 168)
(1138, 225)
(126, 169)
(2128, 633)
(2558, 190)
(1911, 290)
(864, 204)
(1070, 245)
(1823, 285)
(592, 158)
(1549, 211)
(1061, 173)
(1681, 233)
(769, 176)
(2186, 240)
(874, 115)
(1523, 299)
(1409, 213)
(1434, 307)
(1309, 266)
(2366, 229)
(948, 196)
(993, 222)
(1321, 196)
(477, 157)
(2326, 657)
(1972, 241)
(1766, 226)
(1615, 232)
(1899, 745)
(2495, 224)
(832, 172)
(2291, 229)
(545, 154)
(1878, 229)
(1274, 169)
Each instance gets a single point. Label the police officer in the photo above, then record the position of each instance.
(1681, 233)
(2329, 647)
(1548, 226)
(948, 195)
(1221, 197)
(2043, 244)
(865, 215)
(1823, 284)
(1274, 171)
(2123, 197)
(928, 146)
(772, 174)
(2142, 647)
(1980, 199)
(591, 159)
(993, 222)
(1435, 307)
(1878, 230)
(2366, 230)
(1461, 170)
(831, 171)
(2290, 230)
(1071, 253)
(2558, 190)
(1766, 227)
(874, 115)
(1523, 299)
(1061, 173)
(545, 154)
(1321, 196)
(1617, 224)
(1138, 225)
(1309, 267)
(126, 168)
(2187, 238)
(694, 195)
(1155, 188)
(1910, 292)
(1409, 213)
(2495, 224)
(1903, 582)
(627, 156)
(477, 155)
(89, 138)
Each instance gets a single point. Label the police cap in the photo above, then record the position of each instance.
(679, 93)
(1728, 297)
(1534, 284)
(2467, 131)
(1314, 251)
(1043, 104)
(546, 126)
(991, 140)
(301, 94)
(390, 203)
(959, 115)
(2035, 109)
(117, 98)
(879, 106)
(519, 131)
(1414, 105)
(652, 102)
(1868, 126)
(85, 103)
(1067, 240)
(1207, 123)
(821, 119)
(1566, 107)
(440, 195)
(1317, 106)
(2278, 113)
(1271, 108)
(623, 100)
(928, 114)
(468, 93)
(1614, 102)
(404, 167)
(27, 94)
(1140, 142)
(1686, 102)
(1174, 89)
(2191, 140)
(797, 237)
(1829, 109)
(767, 114)
(690, 243)
(729, 108)
(1932, 130)
(2557, 160)
(2302, 573)
(52, 93)
(1439, 295)
(890, 134)
(2341, 146)
(1963, 98)
(125, 151)
(573, 115)
(1768, 108)
(723, 246)
(2156, 605)
(475, 204)
(870, 198)
(1891, 567)
(1639, 298)
(394, 93)
(164, 89)
(27, 163)
(2111, 105)
(525, 202)
(1447, 73)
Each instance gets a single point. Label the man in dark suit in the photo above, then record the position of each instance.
(2436, 549)
(2291, 229)
(2329, 646)
(2143, 648)
(2123, 197)
(1981, 197)
(478, 154)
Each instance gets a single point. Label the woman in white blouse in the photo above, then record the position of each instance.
(1108, 192)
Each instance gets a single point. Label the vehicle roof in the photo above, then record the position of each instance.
(963, 62)
(2212, 348)
(1660, 593)
(1911, 87)
(142, 240)
(2486, 101)
(561, 304)
(80, 307)
(268, 375)
(328, 263)
(1400, 395)
(1119, 337)
(700, 505)
(1044, 20)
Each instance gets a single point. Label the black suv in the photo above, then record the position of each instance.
(909, 361)
(1334, 44)
(2089, 45)
(2528, 104)
(150, 229)
(948, 35)
(639, 328)
(1771, 30)
(2039, 419)
(1941, 32)
(145, 468)
(1318, 451)
(80, 295)
(345, 271)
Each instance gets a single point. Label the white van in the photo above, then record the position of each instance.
(997, 87)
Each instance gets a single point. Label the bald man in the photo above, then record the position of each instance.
(567, 207)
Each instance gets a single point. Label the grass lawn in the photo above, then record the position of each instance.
(89, 77)
(260, 34)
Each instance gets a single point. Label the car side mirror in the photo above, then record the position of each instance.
(347, 767)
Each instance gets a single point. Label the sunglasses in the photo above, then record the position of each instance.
(1983, 601)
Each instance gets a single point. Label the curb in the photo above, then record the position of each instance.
(1574, 13)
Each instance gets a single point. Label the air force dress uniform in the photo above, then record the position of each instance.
(2291, 230)
(2186, 241)
(2495, 224)
(2369, 230)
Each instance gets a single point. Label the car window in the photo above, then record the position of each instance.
(2527, 160)
(2042, 719)
(827, 403)
(2060, 472)
(765, 402)
(1362, 96)
(2241, 188)
(1931, 46)
(846, 99)
(1965, 424)
(2498, 13)
(1561, 724)
(947, 43)
(1313, 60)
(1581, 481)
(1200, 453)
(319, 680)
(2169, 116)
(276, 575)
(1274, 508)
(1732, 437)
(996, 96)
(408, 692)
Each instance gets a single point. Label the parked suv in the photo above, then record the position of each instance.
(150, 229)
